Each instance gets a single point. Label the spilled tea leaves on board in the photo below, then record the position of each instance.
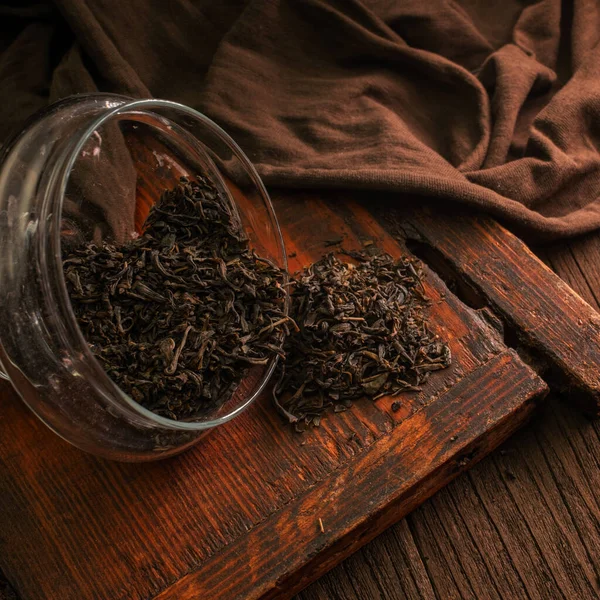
(362, 331)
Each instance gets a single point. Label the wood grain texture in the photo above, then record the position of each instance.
(555, 461)
(382, 485)
(512, 563)
(543, 312)
(238, 516)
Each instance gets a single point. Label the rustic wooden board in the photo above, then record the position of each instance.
(523, 523)
(255, 510)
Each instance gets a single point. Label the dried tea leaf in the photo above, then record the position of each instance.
(362, 331)
(178, 315)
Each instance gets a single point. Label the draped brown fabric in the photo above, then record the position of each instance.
(493, 104)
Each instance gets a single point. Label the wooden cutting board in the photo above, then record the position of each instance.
(258, 511)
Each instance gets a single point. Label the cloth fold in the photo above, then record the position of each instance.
(493, 104)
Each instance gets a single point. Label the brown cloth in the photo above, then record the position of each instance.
(495, 104)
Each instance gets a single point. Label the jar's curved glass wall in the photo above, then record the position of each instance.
(89, 168)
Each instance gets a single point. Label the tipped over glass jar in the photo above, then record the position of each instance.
(88, 170)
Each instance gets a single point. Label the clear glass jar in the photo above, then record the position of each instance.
(89, 168)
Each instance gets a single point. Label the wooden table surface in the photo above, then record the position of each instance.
(523, 523)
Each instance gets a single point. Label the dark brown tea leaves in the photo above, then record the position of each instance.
(177, 316)
(362, 331)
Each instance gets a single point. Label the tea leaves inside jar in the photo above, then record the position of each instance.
(179, 315)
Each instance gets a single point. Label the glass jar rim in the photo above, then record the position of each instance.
(128, 105)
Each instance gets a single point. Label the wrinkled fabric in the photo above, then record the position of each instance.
(495, 105)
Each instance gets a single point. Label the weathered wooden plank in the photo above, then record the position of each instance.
(445, 581)
(570, 444)
(545, 313)
(461, 554)
(386, 565)
(559, 444)
(473, 524)
(397, 474)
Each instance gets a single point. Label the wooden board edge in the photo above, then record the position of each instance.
(564, 368)
(251, 569)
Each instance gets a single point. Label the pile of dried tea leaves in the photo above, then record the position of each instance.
(177, 316)
(362, 331)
